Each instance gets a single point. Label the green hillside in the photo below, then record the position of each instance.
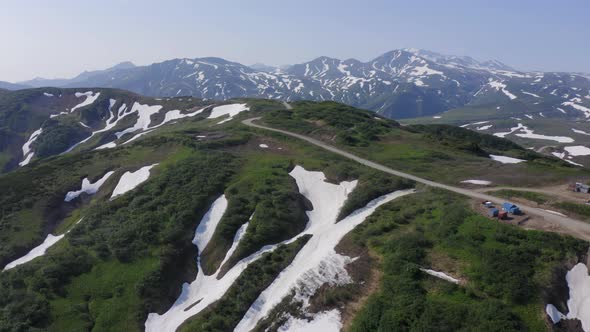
(123, 258)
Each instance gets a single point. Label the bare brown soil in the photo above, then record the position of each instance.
(366, 273)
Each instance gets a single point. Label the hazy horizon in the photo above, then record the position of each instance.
(63, 38)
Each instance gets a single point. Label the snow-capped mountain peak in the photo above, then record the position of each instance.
(400, 83)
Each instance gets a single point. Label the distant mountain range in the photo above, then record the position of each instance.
(39, 82)
(403, 83)
(12, 86)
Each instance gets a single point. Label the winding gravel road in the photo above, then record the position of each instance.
(568, 225)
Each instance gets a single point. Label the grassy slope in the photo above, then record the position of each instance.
(24, 111)
(446, 154)
(133, 259)
(529, 195)
(32, 203)
(504, 267)
(129, 264)
(138, 244)
(507, 117)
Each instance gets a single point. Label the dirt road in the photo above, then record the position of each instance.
(567, 225)
(553, 191)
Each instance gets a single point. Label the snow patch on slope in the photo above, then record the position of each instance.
(499, 86)
(130, 180)
(110, 123)
(577, 131)
(326, 321)
(474, 123)
(38, 251)
(506, 160)
(577, 150)
(109, 145)
(440, 275)
(578, 107)
(209, 223)
(478, 182)
(528, 133)
(87, 187)
(90, 98)
(144, 115)
(554, 314)
(530, 94)
(231, 110)
(486, 127)
(578, 282)
(27, 153)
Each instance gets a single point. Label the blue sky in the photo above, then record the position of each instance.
(62, 38)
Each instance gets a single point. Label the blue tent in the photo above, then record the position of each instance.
(511, 208)
(493, 212)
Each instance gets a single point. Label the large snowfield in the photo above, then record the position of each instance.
(316, 264)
